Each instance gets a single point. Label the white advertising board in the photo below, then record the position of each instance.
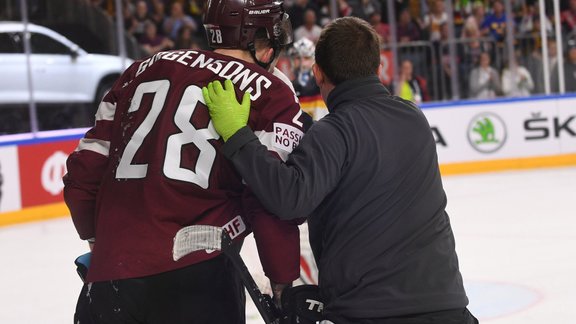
(504, 130)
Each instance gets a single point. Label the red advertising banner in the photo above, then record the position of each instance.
(42, 167)
(386, 75)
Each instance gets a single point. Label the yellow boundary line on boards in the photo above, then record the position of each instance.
(58, 210)
(36, 213)
(508, 164)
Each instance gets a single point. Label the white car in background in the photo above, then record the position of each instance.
(62, 72)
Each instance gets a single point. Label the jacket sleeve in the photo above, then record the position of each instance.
(295, 188)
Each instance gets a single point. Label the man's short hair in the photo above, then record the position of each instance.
(348, 48)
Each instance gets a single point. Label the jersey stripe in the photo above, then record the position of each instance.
(106, 111)
(94, 145)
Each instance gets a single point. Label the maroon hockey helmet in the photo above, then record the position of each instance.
(233, 23)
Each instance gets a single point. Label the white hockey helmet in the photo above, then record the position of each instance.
(304, 47)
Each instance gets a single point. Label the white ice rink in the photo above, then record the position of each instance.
(515, 235)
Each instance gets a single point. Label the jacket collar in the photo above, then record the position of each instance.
(354, 89)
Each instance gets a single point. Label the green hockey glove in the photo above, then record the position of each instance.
(228, 116)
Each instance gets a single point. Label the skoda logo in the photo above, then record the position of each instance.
(487, 132)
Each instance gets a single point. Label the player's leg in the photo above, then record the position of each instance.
(205, 293)
(117, 302)
(82, 312)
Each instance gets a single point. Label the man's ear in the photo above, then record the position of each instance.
(318, 74)
(380, 67)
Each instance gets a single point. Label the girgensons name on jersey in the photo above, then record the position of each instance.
(241, 76)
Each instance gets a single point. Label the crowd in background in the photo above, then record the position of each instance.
(424, 72)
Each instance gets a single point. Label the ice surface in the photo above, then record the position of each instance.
(515, 235)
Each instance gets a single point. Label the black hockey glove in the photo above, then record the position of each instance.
(301, 305)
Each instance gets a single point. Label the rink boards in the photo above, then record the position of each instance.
(471, 137)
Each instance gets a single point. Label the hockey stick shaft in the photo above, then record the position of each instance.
(263, 303)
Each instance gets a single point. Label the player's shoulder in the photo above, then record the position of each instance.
(280, 75)
(281, 89)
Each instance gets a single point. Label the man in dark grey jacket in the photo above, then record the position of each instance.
(367, 178)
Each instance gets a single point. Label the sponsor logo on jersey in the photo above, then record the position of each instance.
(286, 137)
(235, 227)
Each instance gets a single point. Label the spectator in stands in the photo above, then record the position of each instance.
(364, 8)
(325, 12)
(344, 8)
(469, 53)
(158, 14)
(195, 8)
(569, 70)
(128, 10)
(530, 22)
(152, 42)
(475, 20)
(411, 87)
(532, 61)
(462, 9)
(381, 28)
(407, 29)
(494, 24)
(516, 80)
(309, 29)
(434, 20)
(139, 19)
(568, 19)
(526, 24)
(552, 54)
(484, 80)
(417, 8)
(186, 39)
(471, 29)
(445, 66)
(298, 10)
(470, 32)
(177, 20)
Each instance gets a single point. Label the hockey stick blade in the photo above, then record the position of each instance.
(196, 238)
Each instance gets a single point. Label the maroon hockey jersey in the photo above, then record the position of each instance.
(151, 165)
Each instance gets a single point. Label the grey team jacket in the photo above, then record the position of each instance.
(367, 178)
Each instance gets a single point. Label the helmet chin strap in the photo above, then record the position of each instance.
(266, 66)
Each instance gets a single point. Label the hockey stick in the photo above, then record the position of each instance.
(206, 237)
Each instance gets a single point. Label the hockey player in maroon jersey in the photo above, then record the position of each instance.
(151, 166)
